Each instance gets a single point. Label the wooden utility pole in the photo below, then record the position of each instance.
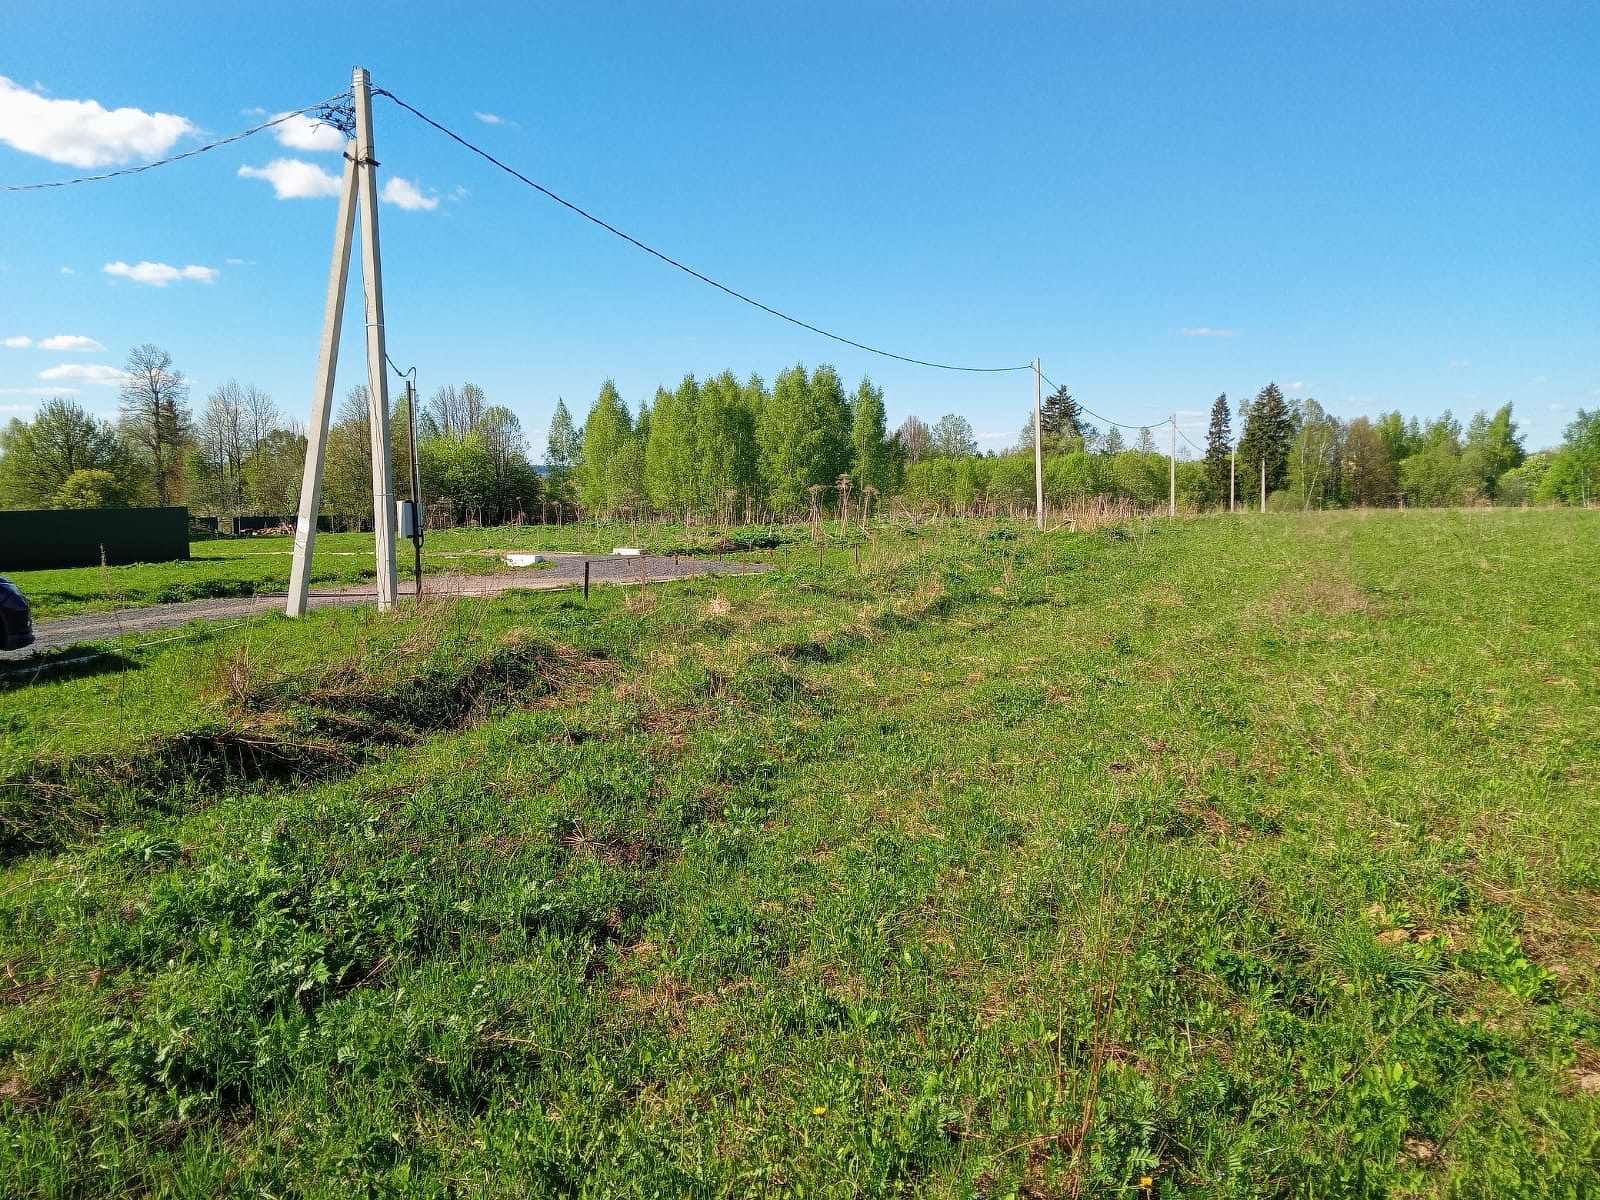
(1038, 450)
(1233, 480)
(360, 187)
(1172, 475)
(1263, 484)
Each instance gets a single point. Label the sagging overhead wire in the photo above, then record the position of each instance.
(330, 104)
(670, 261)
(1091, 412)
(1108, 421)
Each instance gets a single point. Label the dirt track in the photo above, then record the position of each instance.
(565, 570)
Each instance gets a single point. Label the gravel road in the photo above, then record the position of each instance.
(564, 570)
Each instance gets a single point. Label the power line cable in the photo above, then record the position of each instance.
(1109, 421)
(670, 261)
(1091, 411)
(330, 104)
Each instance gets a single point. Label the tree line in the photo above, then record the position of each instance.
(238, 456)
(1310, 459)
(726, 450)
(1305, 457)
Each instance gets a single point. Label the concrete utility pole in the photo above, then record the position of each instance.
(377, 350)
(1233, 480)
(360, 187)
(1038, 449)
(1263, 485)
(305, 528)
(1172, 480)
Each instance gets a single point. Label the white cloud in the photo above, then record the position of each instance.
(303, 133)
(70, 341)
(1541, 379)
(1460, 362)
(1299, 385)
(1557, 407)
(1205, 332)
(241, 262)
(68, 271)
(407, 195)
(95, 373)
(294, 178)
(82, 133)
(493, 119)
(161, 274)
(19, 343)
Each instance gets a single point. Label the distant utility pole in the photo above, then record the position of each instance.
(1038, 450)
(1233, 480)
(415, 517)
(1263, 484)
(359, 186)
(1172, 475)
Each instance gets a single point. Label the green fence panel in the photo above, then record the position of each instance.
(39, 539)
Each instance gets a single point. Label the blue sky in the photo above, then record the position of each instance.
(1376, 205)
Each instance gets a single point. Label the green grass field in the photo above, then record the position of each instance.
(1250, 857)
(231, 567)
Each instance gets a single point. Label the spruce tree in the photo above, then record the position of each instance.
(1062, 422)
(1269, 431)
(1219, 446)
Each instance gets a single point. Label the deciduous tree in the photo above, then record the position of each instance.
(563, 454)
(155, 417)
(916, 442)
(604, 482)
(874, 459)
(953, 438)
(37, 457)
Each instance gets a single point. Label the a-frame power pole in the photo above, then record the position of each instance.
(359, 187)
